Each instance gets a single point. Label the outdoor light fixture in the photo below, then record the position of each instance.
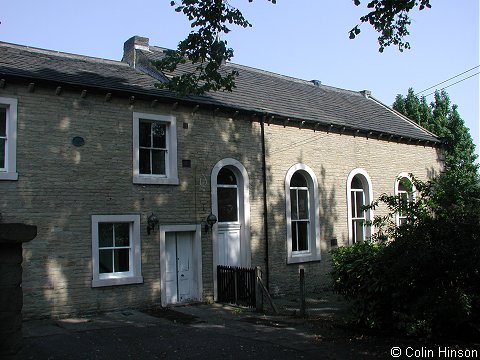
(211, 220)
(152, 221)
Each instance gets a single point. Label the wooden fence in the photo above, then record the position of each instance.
(236, 285)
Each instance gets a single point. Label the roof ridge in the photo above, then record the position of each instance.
(62, 53)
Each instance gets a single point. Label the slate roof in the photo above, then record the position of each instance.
(257, 91)
(63, 68)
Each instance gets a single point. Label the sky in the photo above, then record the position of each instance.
(305, 39)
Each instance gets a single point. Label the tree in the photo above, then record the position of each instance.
(444, 120)
(211, 18)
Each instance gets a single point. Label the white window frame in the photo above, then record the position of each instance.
(134, 275)
(294, 222)
(225, 186)
(356, 194)
(397, 192)
(9, 172)
(313, 253)
(368, 196)
(171, 167)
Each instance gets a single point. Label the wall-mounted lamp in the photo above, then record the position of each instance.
(211, 220)
(152, 221)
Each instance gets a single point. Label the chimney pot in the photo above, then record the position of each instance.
(366, 93)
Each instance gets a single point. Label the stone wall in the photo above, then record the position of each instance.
(61, 186)
(331, 156)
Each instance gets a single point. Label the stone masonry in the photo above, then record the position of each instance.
(61, 186)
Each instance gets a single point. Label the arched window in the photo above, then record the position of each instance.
(359, 194)
(302, 215)
(227, 195)
(405, 191)
(359, 216)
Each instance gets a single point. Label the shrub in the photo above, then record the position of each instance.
(427, 280)
(356, 274)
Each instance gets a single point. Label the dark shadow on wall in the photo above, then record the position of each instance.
(284, 279)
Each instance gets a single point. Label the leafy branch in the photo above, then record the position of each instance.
(390, 19)
(203, 47)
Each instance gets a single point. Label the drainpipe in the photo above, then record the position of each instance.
(265, 205)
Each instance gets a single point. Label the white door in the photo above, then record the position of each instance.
(229, 245)
(229, 221)
(179, 279)
(231, 205)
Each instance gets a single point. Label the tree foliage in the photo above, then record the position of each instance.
(391, 20)
(443, 119)
(210, 19)
(203, 47)
(425, 279)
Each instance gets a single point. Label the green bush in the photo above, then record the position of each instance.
(427, 280)
(434, 278)
(356, 274)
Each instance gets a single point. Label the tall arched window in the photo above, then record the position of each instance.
(405, 191)
(359, 194)
(302, 215)
(359, 216)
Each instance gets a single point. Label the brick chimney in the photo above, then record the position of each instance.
(129, 47)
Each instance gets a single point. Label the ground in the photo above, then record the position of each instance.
(215, 331)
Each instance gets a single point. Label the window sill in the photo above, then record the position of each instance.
(303, 258)
(8, 176)
(117, 281)
(155, 180)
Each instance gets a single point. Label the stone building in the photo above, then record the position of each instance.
(92, 153)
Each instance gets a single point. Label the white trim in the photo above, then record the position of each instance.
(197, 257)
(401, 176)
(171, 167)
(314, 252)
(243, 184)
(413, 193)
(368, 192)
(10, 170)
(134, 276)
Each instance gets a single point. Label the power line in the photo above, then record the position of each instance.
(440, 83)
(315, 136)
(459, 81)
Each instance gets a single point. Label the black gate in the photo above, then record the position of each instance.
(236, 285)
